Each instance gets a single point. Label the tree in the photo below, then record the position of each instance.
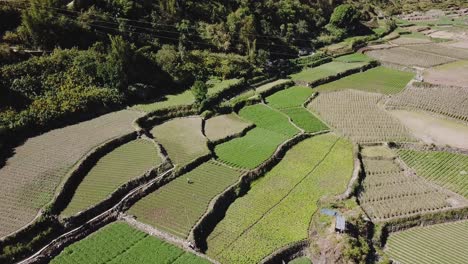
(345, 17)
(199, 90)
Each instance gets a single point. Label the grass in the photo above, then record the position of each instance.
(305, 119)
(377, 151)
(268, 86)
(379, 80)
(250, 150)
(324, 70)
(30, 177)
(222, 126)
(354, 57)
(177, 206)
(443, 243)
(267, 118)
(120, 243)
(182, 138)
(300, 260)
(291, 97)
(446, 169)
(277, 209)
(123, 164)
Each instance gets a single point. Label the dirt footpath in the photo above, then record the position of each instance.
(433, 130)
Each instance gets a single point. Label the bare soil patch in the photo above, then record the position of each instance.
(434, 130)
(452, 74)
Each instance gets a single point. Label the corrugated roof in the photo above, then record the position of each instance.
(340, 222)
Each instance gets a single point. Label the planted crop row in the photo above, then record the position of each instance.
(356, 115)
(177, 206)
(408, 57)
(264, 117)
(120, 243)
(277, 209)
(446, 169)
(325, 70)
(291, 97)
(305, 119)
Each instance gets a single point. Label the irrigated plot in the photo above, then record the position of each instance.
(30, 177)
(222, 126)
(277, 209)
(446, 169)
(408, 57)
(443, 243)
(325, 70)
(356, 115)
(451, 74)
(250, 150)
(123, 164)
(291, 97)
(446, 101)
(267, 118)
(120, 243)
(389, 191)
(378, 80)
(305, 119)
(177, 206)
(182, 138)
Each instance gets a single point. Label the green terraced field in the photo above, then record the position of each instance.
(123, 164)
(325, 70)
(267, 118)
(443, 243)
(278, 207)
(250, 150)
(291, 97)
(182, 138)
(446, 169)
(305, 119)
(177, 206)
(379, 80)
(354, 57)
(120, 243)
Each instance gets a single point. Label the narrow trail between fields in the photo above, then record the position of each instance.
(282, 199)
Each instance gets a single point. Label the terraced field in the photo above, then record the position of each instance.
(269, 86)
(451, 74)
(354, 57)
(267, 118)
(355, 114)
(222, 126)
(177, 206)
(182, 138)
(408, 57)
(446, 101)
(120, 243)
(123, 164)
(446, 169)
(377, 80)
(291, 97)
(278, 207)
(442, 50)
(305, 119)
(31, 176)
(325, 70)
(443, 243)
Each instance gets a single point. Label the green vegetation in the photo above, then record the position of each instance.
(380, 80)
(267, 118)
(354, 57)
(378, 151)
(123, 164)
(443, 243)
(177, 206)
(301, 260)
(294, 96)
(305, 119)
(324, 70)
(443, 168)
(268, 86)
(120, 243)
(278, 207)
(182, 138)
(250, 150)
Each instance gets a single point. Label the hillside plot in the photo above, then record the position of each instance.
(267, 118)
(269, 86)
(325, 70)
(177, 206)
(120, 243)
(408, 57)
(443, 243)
(446, 101)
(123, 164)
(222, 126)
(278, 207)
(378, 80)
(389, 191)
(446, 169)
(291, 97)
(452, 74)
(305, 119)
(442, 50)
(182, 138)
(30, 177)
(356, 115)
(250, 150)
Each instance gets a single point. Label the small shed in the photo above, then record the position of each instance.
(340, 223)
